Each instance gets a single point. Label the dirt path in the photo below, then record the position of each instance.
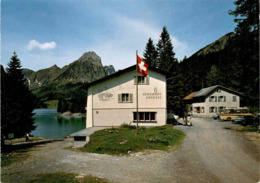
(209, 153)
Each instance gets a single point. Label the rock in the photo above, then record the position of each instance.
(109, 70)
(68, 113)
(123, 142)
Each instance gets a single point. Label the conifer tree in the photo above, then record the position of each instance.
(17, 101)
(165, 52)
(247, 51)
(212, 77)
(167, 62)
(150, 53)
(246, 16)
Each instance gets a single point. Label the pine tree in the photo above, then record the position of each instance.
(247, 51)
(166, 61)
(17, 101)
(150, 53)
(166, 55)
(246, 16)
(212, 77)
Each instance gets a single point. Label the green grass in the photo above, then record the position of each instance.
(61, 177)
(123, 140)
(15, 156)
(52, 104)
(19, 140)
(250, 128)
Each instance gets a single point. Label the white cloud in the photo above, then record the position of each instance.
(44, 46)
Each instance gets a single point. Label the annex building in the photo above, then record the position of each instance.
(211, 100)
(112, 100)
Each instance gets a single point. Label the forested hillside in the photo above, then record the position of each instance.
(231, 61)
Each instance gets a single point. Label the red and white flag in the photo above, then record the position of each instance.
(142, 67)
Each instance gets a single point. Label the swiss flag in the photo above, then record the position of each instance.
(142, 67)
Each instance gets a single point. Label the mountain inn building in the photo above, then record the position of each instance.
(112, 100)
(211, 100)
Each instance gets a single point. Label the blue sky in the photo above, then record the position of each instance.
(48, 32)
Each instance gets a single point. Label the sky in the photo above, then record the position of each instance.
(48, 32)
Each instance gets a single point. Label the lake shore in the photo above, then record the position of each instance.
(68, 113)
(51, 125)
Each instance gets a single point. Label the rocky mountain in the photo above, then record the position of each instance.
(86, 69)
(37, 79)
(109, 69)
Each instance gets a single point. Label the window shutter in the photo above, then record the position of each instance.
(131, 97)
(216, 109)
(135, 80)
(224, 98)
(147, 80)
(210, 98)
(119, 98)
(209, 110)
(219, 98)
(216, 99)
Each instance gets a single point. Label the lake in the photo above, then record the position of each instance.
(50, 125)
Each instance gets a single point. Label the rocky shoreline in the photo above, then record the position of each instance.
(68, 113)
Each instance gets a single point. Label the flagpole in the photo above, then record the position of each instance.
(137, 116)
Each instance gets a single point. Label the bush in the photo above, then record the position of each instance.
(127, 126)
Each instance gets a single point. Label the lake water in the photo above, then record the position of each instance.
(49, 125)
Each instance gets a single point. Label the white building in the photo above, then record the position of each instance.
(211, 100)
(112, 100)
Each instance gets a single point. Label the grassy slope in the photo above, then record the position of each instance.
(124, 139)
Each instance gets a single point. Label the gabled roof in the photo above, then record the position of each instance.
(119, 72)
(189, 97)
(207, 91)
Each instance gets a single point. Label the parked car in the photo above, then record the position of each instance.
(244, 120)
(215, 116)
(238, 120)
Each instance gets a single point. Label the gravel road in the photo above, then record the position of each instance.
(209, 153)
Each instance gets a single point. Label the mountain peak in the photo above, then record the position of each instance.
(91, 57)
(54, 66)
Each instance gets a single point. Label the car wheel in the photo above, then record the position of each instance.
(228, 118)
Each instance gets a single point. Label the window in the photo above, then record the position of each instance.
(152, 115)
(125, 97)
(145, 116)
(212, 98)
(220, 109)
(222, 98)
(202, 109)
(197, 109)
(141, 80)
(212, 109)
(234, 98)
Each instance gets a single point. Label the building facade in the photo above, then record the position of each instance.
(112, 101)
(211, 100)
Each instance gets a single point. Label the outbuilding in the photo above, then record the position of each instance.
(211, 100)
